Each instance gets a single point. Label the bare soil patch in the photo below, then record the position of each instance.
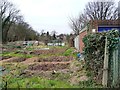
(30, 60)
(14, 59)
(55, 59)
(50, 51)
(48, 66)
(5, 57)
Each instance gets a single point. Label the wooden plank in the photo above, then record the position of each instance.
(113, 81)
(118, 58)
(105, 67)
(115, 67)
(117, 73)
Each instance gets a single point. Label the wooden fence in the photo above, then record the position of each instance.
(114, 67)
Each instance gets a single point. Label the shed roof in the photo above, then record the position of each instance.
(84, 29)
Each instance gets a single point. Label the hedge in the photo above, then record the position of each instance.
(94, 50)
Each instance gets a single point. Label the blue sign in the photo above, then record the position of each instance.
(101, 29)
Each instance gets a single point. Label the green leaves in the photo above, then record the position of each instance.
(94, 49)
(113, 38)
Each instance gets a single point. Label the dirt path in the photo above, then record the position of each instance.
(32, 61)
(54, 62)
(9, 59)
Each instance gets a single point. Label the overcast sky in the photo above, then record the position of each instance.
(50, 14)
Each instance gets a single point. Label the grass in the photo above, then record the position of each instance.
(36, 82)
(89, 84)
(13, 54)
(15, 80)
(61, 76)
(59, 80)
(68, 52)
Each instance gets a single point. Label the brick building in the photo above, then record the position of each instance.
(82, 33)
(97, 26)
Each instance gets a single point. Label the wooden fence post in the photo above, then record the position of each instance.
(105, 67)
(119, 62)
(0, 30)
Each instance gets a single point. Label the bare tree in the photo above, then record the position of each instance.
(8, 14)
(101, 10)
(77, 24)
(53, 34)
(119, 10)
(98, 10)
(22, 31)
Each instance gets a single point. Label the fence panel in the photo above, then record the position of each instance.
(114, 67)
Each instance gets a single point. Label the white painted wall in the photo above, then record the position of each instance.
(76, 42)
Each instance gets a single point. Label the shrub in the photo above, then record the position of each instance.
(94, 50)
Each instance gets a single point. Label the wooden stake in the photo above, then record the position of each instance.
(105, 67)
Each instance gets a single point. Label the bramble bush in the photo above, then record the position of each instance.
(94, 50)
